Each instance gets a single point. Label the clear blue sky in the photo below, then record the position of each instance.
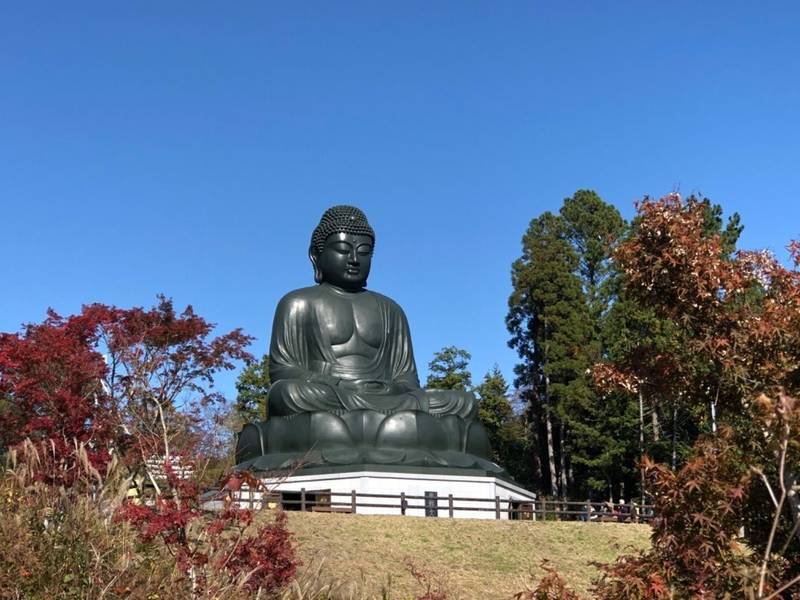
(189, 148)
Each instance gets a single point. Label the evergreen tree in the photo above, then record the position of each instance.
(508, 432)
(252, 387)
(601, 432)
(494, 409)
(449, 370)
(564, 289)
(729, 236)
(594, 228)
(565, 315)
(550, 328)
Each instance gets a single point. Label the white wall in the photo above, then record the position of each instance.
(483, 491)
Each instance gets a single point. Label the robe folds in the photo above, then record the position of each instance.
(306, 375)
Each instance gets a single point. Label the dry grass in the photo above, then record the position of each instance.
(477, 559)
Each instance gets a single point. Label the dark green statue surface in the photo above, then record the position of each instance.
(345, 390)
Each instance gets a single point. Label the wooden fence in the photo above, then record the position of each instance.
(451, 506)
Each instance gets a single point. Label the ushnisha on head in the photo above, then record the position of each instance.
(341, 248)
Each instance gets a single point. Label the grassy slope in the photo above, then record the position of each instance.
(477, 559)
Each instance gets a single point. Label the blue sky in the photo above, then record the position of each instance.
(189, 148)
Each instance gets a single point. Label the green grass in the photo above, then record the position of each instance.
(474, 559)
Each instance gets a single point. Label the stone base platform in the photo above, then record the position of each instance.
(376, 490)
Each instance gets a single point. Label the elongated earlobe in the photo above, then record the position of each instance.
(313, 258)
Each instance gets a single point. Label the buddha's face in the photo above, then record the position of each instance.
(344, 261)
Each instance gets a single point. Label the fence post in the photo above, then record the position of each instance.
(450, 505)
(402, 503)
(497, 507)
(303, 499)
(353, 501)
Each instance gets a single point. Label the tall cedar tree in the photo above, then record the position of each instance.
(550, 328)
(564, 288)
(601, 432)
(593, 227)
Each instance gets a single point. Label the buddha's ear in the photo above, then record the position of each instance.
(313, 256)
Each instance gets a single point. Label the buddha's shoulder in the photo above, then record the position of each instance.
(299, 298)
(384, 300)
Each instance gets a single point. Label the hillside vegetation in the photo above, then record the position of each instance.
(368, 555)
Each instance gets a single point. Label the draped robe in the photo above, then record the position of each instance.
(308, 376)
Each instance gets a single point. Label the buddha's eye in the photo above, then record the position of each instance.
(341, 248)
(365, 249)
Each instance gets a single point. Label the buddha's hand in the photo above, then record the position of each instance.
(372, 386)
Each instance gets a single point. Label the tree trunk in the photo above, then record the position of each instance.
(551, 456)
(674, 438)
(713, 408)
(535, 439)
(570, 476)
(714, 416)
(641, 444)
(656, 428)
(562, 461)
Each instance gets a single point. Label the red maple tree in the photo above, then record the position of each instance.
(736, 321)
(133, 383)
(51, 392)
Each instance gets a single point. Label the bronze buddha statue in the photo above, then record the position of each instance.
(345, 389)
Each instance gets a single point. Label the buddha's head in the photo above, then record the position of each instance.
(341, 248)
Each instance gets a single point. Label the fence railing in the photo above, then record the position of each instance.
(441, 505)
(622, 512)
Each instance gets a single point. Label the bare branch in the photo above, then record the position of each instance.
(778, 510)
(782, 589)
(763, 477)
